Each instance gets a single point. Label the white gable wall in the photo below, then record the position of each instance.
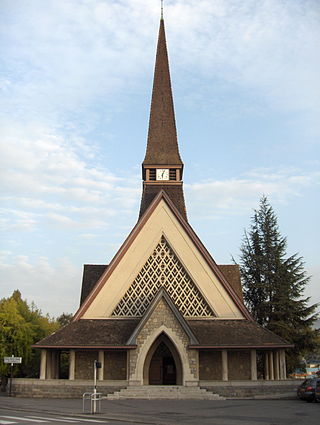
(162, 222)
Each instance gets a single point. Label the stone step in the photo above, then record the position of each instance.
(164, 387)
(164, 392)
(164, 397)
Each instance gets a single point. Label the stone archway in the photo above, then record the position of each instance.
(162, 365)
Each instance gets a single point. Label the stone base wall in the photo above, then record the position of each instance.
(253, 389)
(61, 388)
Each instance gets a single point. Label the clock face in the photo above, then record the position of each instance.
(162, 174)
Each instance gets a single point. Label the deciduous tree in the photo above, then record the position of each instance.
(21, 326)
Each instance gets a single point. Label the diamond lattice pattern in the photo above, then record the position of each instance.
(163, 269)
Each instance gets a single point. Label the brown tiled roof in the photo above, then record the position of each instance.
(175, 193)
(232, 274)
(91, 333)
(91, 274)
(116, 332)
(162, 147)
(234, 333)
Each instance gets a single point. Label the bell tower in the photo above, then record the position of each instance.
(162, 168)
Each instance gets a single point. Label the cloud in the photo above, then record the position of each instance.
(312, 289)
(67, 51)
(14, 219)
(260, 46)
(236, 196)
(41, 281)
(46, 176)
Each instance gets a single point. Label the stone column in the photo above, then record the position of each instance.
(276, 365)
(271, 370)
(43, 364)
(58, 357)
(72, 364)
(55, 357)
(253, 357)
(224, 358)
(283, 371)
(266, 367)
(49, 365)
(101, 370)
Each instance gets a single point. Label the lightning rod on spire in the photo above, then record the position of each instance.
(161, 9)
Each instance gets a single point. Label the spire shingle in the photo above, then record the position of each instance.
(162, 147)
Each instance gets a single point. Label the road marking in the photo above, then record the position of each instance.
(55, 419)
(88, 420)
(95, 420)
(20, 418)
(42, 419)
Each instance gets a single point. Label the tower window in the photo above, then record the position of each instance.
(172, 174)
(152, 174)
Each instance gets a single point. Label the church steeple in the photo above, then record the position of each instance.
(162, 166)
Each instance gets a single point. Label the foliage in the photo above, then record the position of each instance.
(22, 325)
(64, 319)
(274, 284)
(16, 334)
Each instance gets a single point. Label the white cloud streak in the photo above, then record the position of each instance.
(69, 49)
(236, 196)
(48, 285)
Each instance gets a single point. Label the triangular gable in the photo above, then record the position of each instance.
(163, 270)
(162, 294)
(162, 218)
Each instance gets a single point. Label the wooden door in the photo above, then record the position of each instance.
(155, 372)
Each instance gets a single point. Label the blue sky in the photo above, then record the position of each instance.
(76, 79)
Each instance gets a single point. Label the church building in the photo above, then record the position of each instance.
(163, 312)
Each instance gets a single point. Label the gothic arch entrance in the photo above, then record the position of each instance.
(163, 364)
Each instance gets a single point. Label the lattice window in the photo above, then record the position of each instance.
(163, 269)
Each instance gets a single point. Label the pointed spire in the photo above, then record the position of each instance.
(162, 167)
(162, 147)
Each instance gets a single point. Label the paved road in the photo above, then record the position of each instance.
(160, 412)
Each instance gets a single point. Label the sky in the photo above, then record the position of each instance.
(76, 79)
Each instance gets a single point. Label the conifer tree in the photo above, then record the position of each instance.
(274, 284)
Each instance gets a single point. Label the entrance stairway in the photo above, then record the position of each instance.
(153, 392)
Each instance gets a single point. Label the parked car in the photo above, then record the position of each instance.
(317, 395)
(307, 390)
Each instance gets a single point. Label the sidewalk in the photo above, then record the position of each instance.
(175, 412)
(152, 412)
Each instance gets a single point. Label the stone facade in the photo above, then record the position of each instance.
(163, 321)
(115, 365)
(84, 364)
(239, 365)
(210, 365)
